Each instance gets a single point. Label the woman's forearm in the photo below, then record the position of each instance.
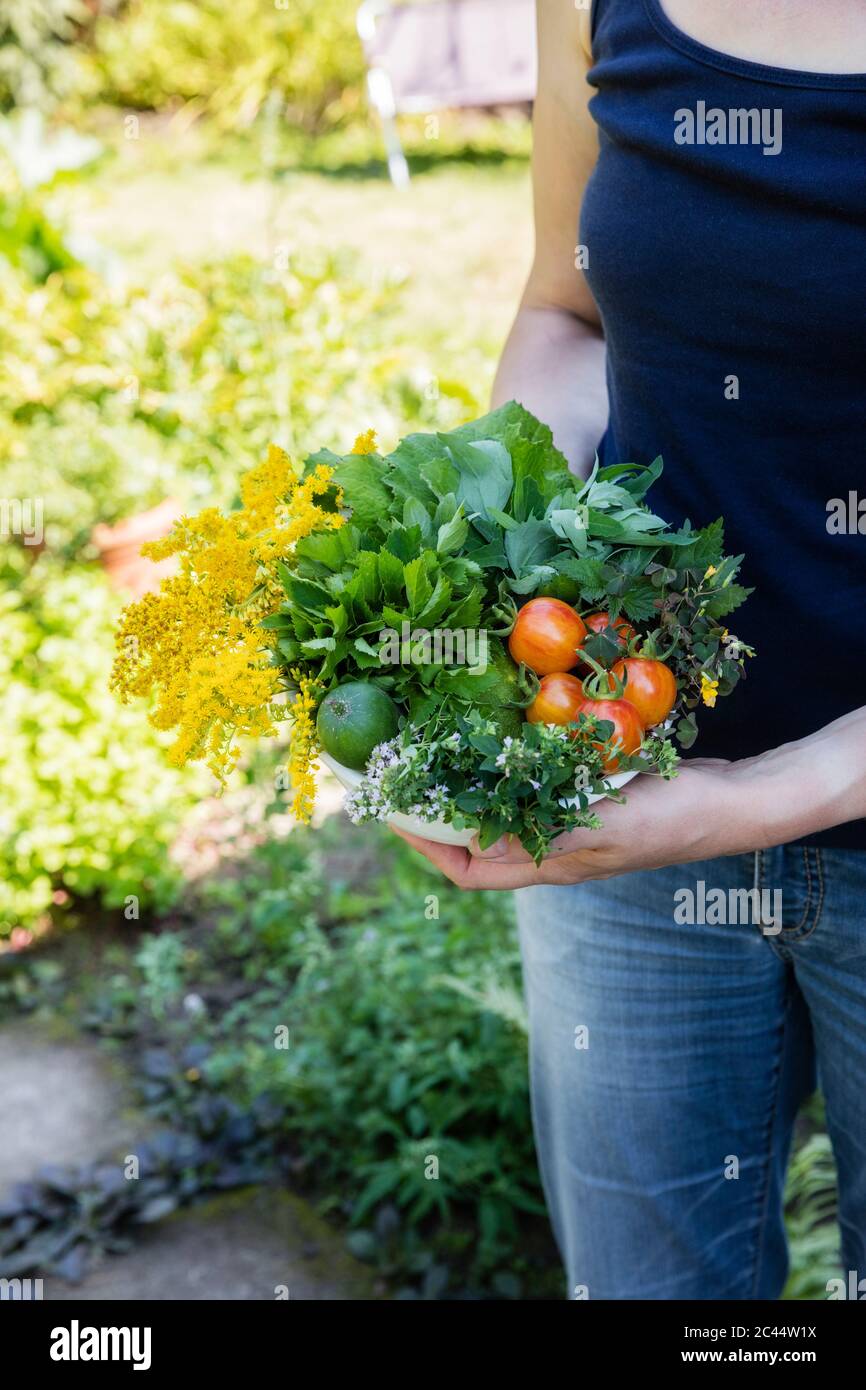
(553, 363)
(811, 785)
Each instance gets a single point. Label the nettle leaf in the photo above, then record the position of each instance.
(639, 601)
(705, 547)
(587, 571)
(636, 559)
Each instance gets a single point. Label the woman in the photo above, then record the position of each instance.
(711, 154)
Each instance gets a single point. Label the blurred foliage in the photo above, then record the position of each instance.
(811, 1211)
(118, 396)
(227, 57)
(403, 1043)
(87, 803)
(38, 65)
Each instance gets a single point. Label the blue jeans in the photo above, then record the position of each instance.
(671, 1046)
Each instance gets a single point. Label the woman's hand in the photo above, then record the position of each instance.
(695, 816)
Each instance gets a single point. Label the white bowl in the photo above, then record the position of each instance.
(440, 830)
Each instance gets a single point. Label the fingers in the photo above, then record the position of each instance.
(471, 871)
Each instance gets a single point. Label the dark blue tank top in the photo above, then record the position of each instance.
(732, 288)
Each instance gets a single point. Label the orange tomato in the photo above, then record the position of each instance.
(558, 701)
(546, 636)
(649, 685)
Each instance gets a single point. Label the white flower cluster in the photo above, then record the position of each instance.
(395, 780)
(516, 760)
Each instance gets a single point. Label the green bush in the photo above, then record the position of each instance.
(87, 803)
(228, 58)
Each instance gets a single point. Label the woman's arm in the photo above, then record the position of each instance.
(553, 361)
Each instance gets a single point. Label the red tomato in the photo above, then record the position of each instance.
(546, 636)
(558, 701)
(627, 728)
(649, 686)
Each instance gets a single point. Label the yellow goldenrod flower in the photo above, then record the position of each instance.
(709, 690)
(198, 644)
(304, 745)
(365, 443)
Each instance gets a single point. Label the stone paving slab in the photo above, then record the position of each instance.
(61, 1101)
(257, 1244)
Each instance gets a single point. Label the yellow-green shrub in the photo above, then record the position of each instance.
(229, 56)
(87, 801)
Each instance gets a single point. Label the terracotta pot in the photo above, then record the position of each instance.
(120, 548)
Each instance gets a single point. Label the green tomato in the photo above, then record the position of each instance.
(353, 719)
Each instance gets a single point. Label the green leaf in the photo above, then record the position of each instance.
(484, 469)
(419, 590)
(528, 545)
(438, 604)
(724, 601)
(452, 535)
(361, 476)
(639, 601)
(416, 514)
(588, 571)
(416, 458)
(391, 576)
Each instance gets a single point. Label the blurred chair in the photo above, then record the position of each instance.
(445, 53)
